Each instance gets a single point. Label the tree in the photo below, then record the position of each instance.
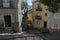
(53, 4)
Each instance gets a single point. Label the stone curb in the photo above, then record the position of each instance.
(12, 33)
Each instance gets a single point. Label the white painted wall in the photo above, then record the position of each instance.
(55, 20)
(20, 16)
(20, 11)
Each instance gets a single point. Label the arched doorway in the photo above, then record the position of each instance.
(7, 20)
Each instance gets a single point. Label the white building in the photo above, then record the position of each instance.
(22, 8)
(55, 21)
(11, 15)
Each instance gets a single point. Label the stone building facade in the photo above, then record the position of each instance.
(9, 16)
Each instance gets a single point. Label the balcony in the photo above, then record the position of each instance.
(38, 17)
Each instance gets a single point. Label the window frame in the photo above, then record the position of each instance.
(7, 2)
(46, 14)
(38, 16)
(56, 25)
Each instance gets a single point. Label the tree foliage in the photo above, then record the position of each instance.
(53, 4)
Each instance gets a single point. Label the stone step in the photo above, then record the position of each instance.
(6, 30)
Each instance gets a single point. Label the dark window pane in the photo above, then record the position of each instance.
(1, 3)
(38, 17)
(45, 14)
(38, 9)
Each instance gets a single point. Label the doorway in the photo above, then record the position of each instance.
(7, 20)
(45, 24)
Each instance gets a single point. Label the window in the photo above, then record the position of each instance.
(28, 22)
(38, 22)
(6, 3)
(38, 16)
(23, 4)
(45, 14)
(55, 25)
(1, 4)
(16, 4)
(22, 7)
(38, 8)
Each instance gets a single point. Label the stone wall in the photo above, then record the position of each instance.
(13, 29)
(14, 20)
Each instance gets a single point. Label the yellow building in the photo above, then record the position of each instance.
(29, 15)
(41, 15)
(29, 18)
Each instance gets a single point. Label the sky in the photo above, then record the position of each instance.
(29, 2)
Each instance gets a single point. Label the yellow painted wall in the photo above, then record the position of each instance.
(29, 15)
(44, 18)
